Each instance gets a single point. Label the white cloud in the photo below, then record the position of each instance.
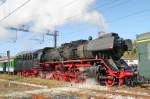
(48, 14)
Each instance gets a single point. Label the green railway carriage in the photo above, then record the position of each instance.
(143, 42)
(7, 66)
(22, 61)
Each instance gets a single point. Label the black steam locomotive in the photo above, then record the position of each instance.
(73, 61)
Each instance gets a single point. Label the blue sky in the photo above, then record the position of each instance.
(127, 27)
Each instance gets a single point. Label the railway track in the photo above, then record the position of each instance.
(76, 91)
(83, 91)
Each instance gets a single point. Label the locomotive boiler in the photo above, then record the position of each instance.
(106, 46)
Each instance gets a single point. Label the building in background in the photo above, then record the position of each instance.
(131, 57)
(131, 62)
(143, 44)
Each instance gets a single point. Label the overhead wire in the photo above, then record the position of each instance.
(104, 5)
(121, 17)
(130, 15)
(96, 7)
(74, 1)
(70, 3)
(16, 9)
(100, 6)
(2, 2)
(22, 5)
(115, 5)
(66, 5)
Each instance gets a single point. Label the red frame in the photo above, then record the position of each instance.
(73, 71)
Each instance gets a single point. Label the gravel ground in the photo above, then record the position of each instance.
(78, 91)
(18, 89)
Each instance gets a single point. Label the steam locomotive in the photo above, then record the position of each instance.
(78, 60)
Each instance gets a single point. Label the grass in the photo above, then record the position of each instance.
(7, 87)
(33, 80)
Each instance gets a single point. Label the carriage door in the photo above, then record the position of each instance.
(4, 67)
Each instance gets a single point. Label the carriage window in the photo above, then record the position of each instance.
(28, 56)
(24, 57)
(21, 57)
(31, 56)
(35, 56)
